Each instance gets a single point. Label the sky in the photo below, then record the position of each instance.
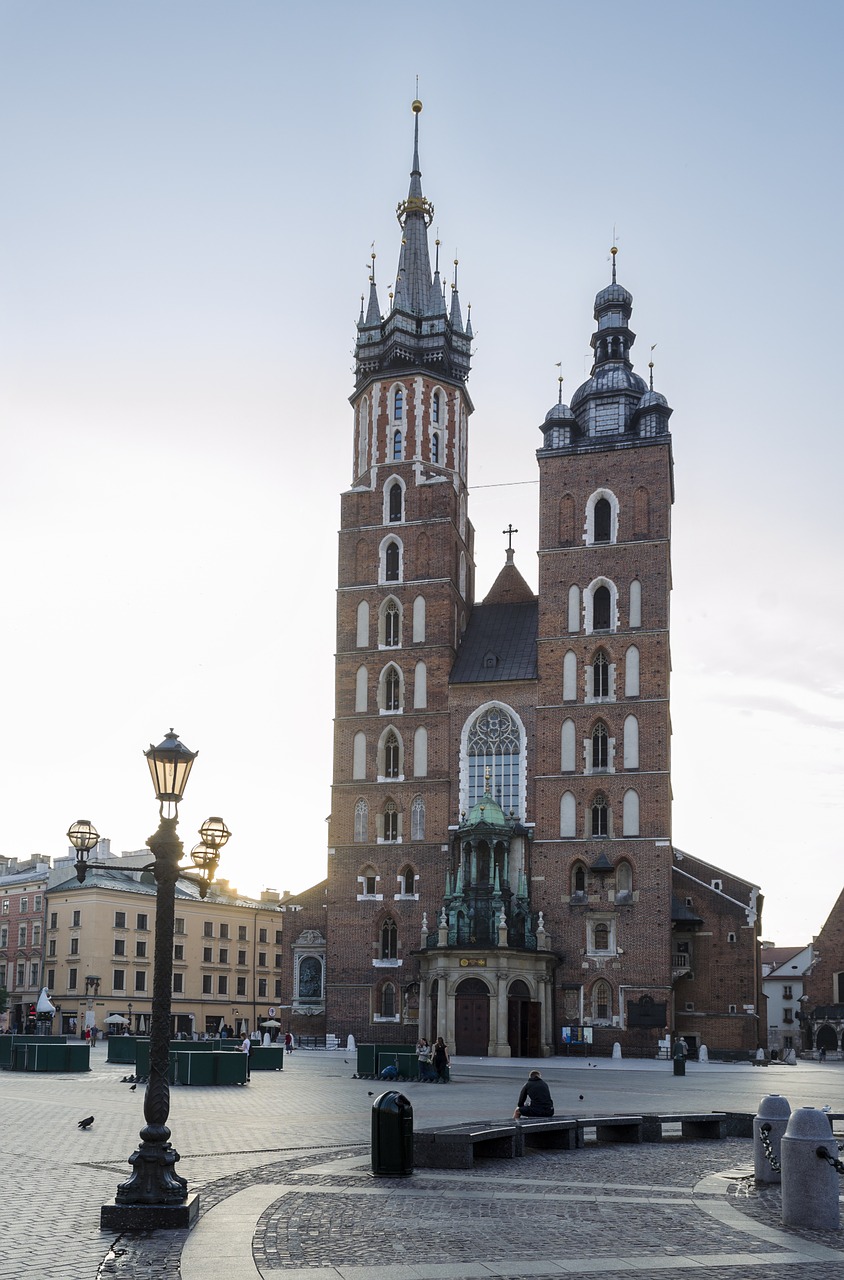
(191, 193)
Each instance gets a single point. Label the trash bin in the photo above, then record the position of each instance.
(392, 1135)
(679, 1062)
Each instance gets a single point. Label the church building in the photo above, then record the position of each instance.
(500, 864)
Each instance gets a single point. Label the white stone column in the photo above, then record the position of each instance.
(424, 1009)
(499, 1047)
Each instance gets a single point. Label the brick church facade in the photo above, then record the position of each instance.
(500, 864)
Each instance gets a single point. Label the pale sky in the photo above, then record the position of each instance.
(190, 195)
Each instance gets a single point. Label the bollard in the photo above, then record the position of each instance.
(392, 1135)
(703, 1054)
(810, 1186)
(769, 1125)
(616, 1050)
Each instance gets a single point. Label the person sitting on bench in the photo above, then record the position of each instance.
(535, 1098)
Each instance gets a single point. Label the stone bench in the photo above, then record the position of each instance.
(609, 1128)
(549, 1133)
(457, 1146)
(694, 1125)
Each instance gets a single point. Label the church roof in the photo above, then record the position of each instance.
(499, 643)
(509, 587)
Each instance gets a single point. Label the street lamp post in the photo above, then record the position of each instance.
(154, 1195)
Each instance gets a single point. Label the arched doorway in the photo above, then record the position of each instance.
(523, 1022)
(827, 1038)
(471, 1018)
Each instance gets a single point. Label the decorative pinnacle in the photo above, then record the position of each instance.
(613, 251)
(416, 105)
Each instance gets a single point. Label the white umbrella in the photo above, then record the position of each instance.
(270, 1022)
(117, 1019)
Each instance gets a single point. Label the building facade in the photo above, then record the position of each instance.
(227, 954)
(23, 887)
(822, 1002)
(783, 971)
(500, 865)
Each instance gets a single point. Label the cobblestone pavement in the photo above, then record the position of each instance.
(282, 1168)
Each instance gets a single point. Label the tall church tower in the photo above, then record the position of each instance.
(405, 592)
(602, 850)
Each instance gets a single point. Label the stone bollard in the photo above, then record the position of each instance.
(703, 1054)
(810, 1186)
(773, 1114)
(616, 1050)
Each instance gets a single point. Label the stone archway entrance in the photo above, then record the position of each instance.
(471, 1018)
(523, 1022)
(827, 1038)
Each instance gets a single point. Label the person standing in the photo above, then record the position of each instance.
(535, 1098)
(423, 1057)
(246, 1047)
(440, 1060)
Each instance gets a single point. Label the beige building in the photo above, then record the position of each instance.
(98, 959)
(23, 886)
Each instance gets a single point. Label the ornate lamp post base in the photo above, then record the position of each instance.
(150, 1217)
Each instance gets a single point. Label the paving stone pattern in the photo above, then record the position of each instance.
(294, 1149)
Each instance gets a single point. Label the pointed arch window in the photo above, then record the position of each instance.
(407, 882)
(602, 936)
(417, 819)
(391, 755)
(389, 940)
(391, 822)
(601, 605)
(392, 624)
(494, 743)
(435, 447)
(361, 822)
(398, 405)
(395, 503)
(600, 675)
(600, 747)
(435, 408)
(396, 446)
(392, 689)
(388, 1001)
(623, 880)
(600, 815)
(603, 520)
(392, 560)
(578, 879)
(601, 995)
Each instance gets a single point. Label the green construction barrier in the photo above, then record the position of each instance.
(121, 1049)
(194, 1068)
(8, 1042)
(270, 1058)
(229, 1068)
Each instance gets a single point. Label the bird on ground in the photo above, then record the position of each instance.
(132, 1088)
(370, 1094)
(125, 1080)
(86, 1123)
(581, 1097)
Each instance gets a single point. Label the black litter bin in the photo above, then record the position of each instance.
(679, 1064)
(392, 1135)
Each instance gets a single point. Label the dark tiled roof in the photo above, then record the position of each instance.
(680, 913)
(499, 644)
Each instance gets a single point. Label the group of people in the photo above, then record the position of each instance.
(433, 1060)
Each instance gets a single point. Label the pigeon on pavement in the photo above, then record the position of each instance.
(86, 1123)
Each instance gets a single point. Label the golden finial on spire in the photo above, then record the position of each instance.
(651, 365)
(613, 251)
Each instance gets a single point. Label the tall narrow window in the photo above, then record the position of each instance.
(574, 609)
(389, 940)
(600, 676)
(395, 502)
(601, 994)
(391, 756)
(602, 938)
(360, 689)
(388, 1001)
(567, 745)
(600, 747)
(391, 562)
(631, 743)
(392, 690)
(417, 819)
(435, 447)
(392, 624)
(578, 880)
(362, 630)
(420, 753)
(419, 619)
(398, 405)
(435, 407)
(391, 822)
(407, 882)
(600, 816)
(631, 672)
(570, 676)
(603, 520)
(635, 603)
(361, 822)
(359, 756)
(494, 743)
(396, 446)
(630, 813)
(420, 686)
(601, 605)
